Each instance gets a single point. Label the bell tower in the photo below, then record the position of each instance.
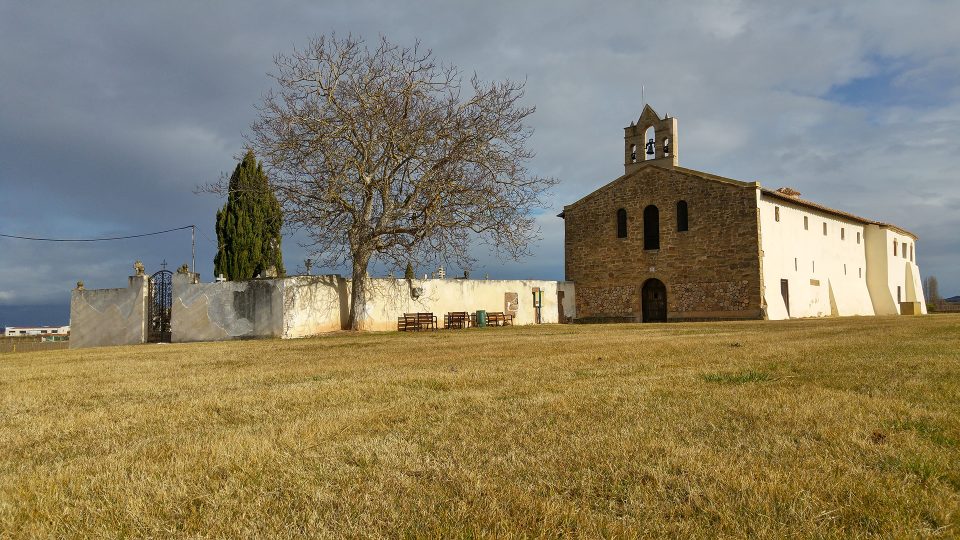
(650, 139)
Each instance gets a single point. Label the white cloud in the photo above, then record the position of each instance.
(107, 123)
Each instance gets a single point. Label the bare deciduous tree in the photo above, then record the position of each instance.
(384, 154)
(931, 289)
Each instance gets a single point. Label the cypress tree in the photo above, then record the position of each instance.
(248, 225)
(408, 272)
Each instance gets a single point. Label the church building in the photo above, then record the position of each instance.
(665, 243)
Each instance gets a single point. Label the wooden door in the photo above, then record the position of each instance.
(654, 298)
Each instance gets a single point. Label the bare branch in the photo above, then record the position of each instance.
(383, 153)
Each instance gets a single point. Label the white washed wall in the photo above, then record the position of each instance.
(827, 274)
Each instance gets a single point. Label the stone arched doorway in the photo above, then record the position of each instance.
(654, 299)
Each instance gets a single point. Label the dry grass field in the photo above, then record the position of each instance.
(833, 428)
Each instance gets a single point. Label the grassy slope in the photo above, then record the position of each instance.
(821, 428)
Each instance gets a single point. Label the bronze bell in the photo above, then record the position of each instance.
(666, 147)
(650, 146)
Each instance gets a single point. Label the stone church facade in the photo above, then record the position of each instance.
(663, 242)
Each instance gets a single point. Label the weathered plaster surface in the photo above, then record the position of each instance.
(104, 317)
(229, 310)
(313, 305)
(301, 306)
(391, 298)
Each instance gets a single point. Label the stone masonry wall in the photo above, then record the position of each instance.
(710, 271)
(615, 301)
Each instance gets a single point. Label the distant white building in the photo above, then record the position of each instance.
(14, 331)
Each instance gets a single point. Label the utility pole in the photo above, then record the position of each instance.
(193, 248)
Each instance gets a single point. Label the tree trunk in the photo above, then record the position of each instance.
(358, 290)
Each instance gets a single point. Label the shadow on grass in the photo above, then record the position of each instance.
(736, 378)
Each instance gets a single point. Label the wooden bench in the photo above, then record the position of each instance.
(499, 318)
(416, 321)
(407, 323)
(456, 319)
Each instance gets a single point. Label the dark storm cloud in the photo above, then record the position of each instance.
(110, 113)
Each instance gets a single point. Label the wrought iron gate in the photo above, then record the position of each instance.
(160, 301)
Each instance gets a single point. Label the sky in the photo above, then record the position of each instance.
(112, 113)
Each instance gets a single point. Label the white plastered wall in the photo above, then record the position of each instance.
(826, 274)
(389, 299)
(888, 272)
(301, 306)
(313, 305)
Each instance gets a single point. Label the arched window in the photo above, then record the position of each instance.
(651, 227)
(682, 224)
(621, 223)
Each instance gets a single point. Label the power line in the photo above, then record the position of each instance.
(205, 237)
(93, 239)
(193, 240)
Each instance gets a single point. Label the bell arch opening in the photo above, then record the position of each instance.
(650, 143)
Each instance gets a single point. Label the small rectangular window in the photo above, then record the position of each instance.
(858, 237)
(824, 228)
(844, 269)
(794, 264)
(843, 233)
(813, 266)
(903, 250)
(894, 248)
(911, 252)
(860, 272)
(806, 223)
(776, 213)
